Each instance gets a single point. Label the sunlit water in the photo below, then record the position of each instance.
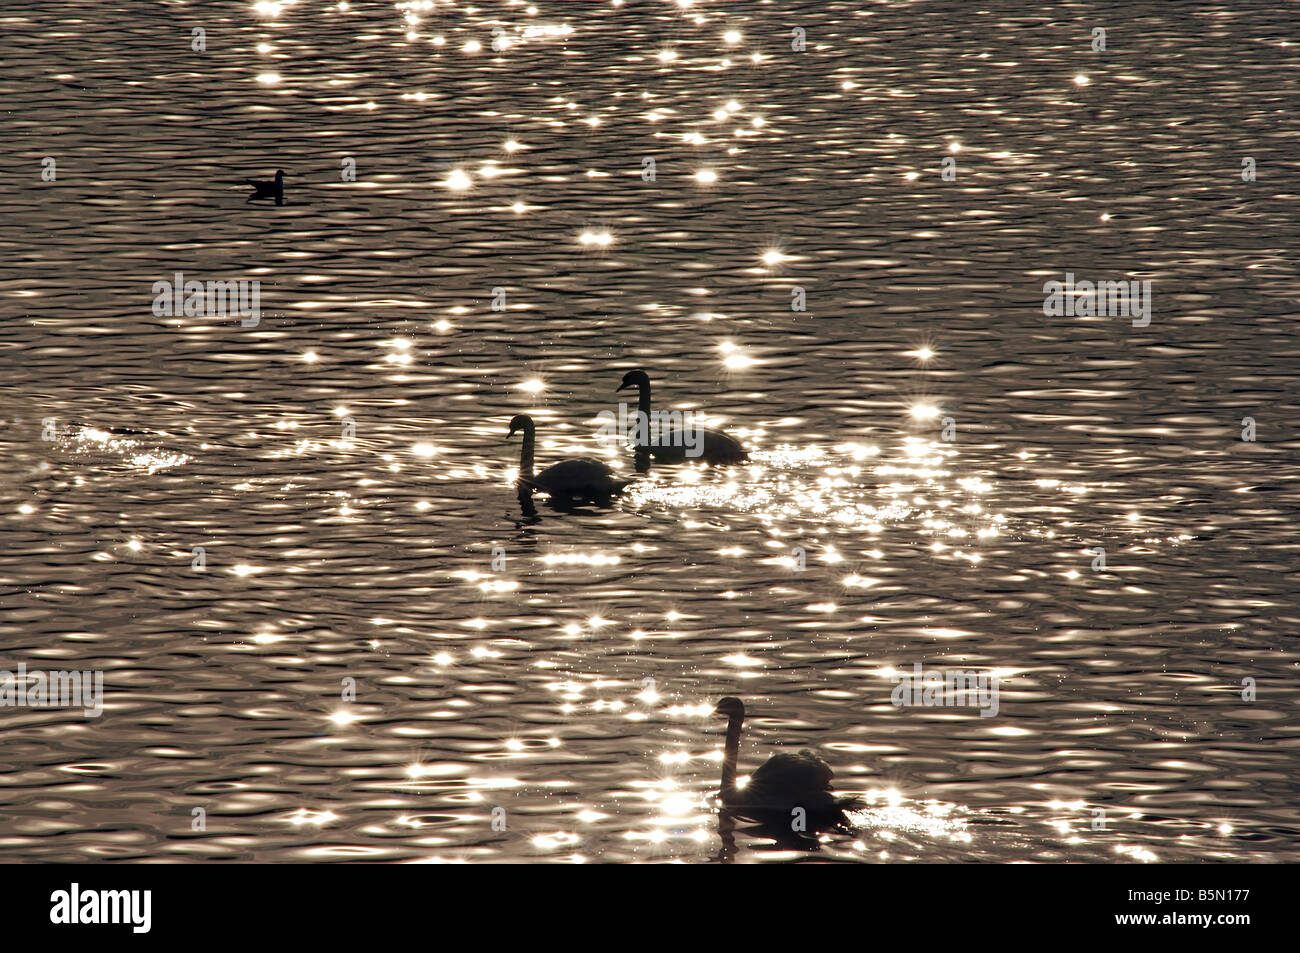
(240, 525)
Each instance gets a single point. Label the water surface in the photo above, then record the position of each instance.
(343, 465)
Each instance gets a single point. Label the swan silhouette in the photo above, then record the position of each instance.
(579, 477)
(782, 784)
(715, 446)
(268, 188)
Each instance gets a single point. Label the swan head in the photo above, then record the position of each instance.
(520, 422)
(730, 708)
(278, 175)
(637, 378)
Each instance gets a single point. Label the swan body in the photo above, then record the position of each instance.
(782, 784)
(268, 188)
(577, 477)
(715, 446)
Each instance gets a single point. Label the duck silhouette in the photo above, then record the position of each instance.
(782, 786)
(268, 188)
(577, 477)
(672, 446)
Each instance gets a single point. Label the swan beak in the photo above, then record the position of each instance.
(623, 387)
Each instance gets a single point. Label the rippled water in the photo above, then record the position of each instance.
(343, 468)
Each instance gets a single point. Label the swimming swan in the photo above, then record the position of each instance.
(580, 477)
(783, 783)
(715, 446)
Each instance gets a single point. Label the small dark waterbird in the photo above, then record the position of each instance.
(715, 448)
(268, 188)
(782, 784)
(575, 478)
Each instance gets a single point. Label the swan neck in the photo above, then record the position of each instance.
(526, 455)
(643, 399)
(730, 755)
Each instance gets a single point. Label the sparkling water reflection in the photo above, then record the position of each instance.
(294, 549)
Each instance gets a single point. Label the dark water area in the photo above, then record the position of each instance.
(293, 546)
